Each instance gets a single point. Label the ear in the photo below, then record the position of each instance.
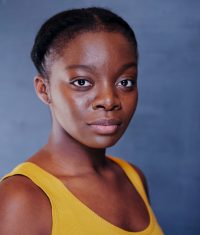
(41, 85)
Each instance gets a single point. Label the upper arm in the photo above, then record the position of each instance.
(143, 179)
(22, 207)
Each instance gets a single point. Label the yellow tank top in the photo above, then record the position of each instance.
(70, 215)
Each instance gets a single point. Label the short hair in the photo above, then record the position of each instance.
(66, 25)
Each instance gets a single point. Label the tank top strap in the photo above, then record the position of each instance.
(37, 175)
(132, 174)
(50, 185)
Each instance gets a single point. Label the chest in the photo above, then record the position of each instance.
(114, 200)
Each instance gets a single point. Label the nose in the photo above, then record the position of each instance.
(107, 99)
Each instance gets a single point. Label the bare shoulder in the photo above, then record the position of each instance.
(24, 208)
(143, 178)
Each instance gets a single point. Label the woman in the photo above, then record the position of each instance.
(87, 75)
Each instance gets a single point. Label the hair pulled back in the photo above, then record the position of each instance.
(66, 25)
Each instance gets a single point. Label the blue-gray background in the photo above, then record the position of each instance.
(163, 139)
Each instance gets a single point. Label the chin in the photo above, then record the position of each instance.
(102, 142)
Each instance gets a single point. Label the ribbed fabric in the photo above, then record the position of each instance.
(72, 217)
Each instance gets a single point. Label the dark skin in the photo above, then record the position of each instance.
(92, 83)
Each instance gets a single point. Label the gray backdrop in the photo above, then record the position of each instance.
(163, 139)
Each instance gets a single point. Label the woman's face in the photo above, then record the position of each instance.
(93, 88)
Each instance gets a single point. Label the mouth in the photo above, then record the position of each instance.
(105, 126)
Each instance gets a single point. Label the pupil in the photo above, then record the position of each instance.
(124, 83)
(81, 82)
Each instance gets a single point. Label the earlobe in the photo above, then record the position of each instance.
(42, 89)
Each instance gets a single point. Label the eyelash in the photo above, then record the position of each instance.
(130, 83)
(81, 80)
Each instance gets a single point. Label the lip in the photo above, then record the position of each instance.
(105, 126)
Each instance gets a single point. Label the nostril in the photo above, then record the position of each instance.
(117, 107)
(106, 106)
(94, 106)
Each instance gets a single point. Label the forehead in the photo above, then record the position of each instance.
(101, 49)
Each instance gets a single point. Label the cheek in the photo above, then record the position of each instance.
(67, 104)
(130, 103)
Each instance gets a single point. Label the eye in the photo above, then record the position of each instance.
(126, 83)
(81, 83)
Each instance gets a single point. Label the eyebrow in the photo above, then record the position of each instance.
(127, 66)
(89, 68)
(92, 68)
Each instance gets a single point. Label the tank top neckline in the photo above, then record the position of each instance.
(92, 213)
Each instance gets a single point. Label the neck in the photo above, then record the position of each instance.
(70, 154)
